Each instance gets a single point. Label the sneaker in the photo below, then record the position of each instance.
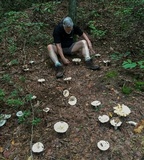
(90, 65)
(59, 71)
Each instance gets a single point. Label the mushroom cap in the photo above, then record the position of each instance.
(103, 145)
(41, 80)
(96, 103)
(65, 93)
(103, 118)
(5, 116)
(77, 60)
(19, 114)
(122, 110)
(61, 127)
(115, 121)
(46, 109)
(72, 100)
(38, 147)
(67, 79)
(33, 97)
(2, 122)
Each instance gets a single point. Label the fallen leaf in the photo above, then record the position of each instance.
(139, 127)
(1, 149)
(29, 158)
(12, 142)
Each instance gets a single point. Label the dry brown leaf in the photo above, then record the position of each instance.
(1, 149)
(12, 142)
(29, 158)
(139, 127)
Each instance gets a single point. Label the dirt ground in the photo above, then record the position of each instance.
(85, 131)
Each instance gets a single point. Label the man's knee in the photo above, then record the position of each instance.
(49, 47)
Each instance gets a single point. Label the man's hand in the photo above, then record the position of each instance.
(65, 61)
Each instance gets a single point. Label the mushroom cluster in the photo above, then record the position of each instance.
(3, 118)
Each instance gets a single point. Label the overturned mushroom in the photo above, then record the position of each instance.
(106, 62)
(103, 118)
(66, 93)
(67, 80)
(19, 114)
(2, 122)
(38, 147)
(46, 109)
(122, 110)
(103, 145)
(116, 122)
(72, 100)
(61, 127)
(76, 60)
(41, 80)
(96, 103)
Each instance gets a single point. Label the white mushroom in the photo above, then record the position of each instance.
(61, 127)
(115, 121)
(46, 109)
(68, 79)
(2, 122)
(41, 80)
(103, 118)
(31, 62)
(72, 100)
(33, 97)
(103, 145)
(132, 123)
(76, 60)
(38, 147)
(19, 114)
(106, 62)
(65, 93)
(96, 103)
(122, 110)
(5, 116)
(97, 55)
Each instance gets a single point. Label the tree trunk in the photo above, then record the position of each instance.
(73, 9)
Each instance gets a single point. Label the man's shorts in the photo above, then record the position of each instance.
(68, 51)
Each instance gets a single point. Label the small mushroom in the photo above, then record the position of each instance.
(2, 122)
(122, 110)
(106, 62)
(38, 147)
(116, 122)
(72, 100)
(97, 55)
(19, 114)
(31, 62)
(66, 93)
(25, 67)
(96, 103)
(46, 109)
(5, 116)
(41, 80)
(67, 80)
(103, 118)
(103, 145)
(33, 97)
(132, 123)
(76, 60)
(61, 127)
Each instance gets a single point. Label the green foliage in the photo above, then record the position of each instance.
(24, 118)
(139, 85)
(36, 121)
(94, 31)
(129, 64)
(126, 90)
(15, 102)
(12, 46)
(117, 56)
(2, 94)
(22, 78)
(6, 78)
(111, 74)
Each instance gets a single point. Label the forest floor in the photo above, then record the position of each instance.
(85, 131)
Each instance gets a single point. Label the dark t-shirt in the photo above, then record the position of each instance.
(66, 40)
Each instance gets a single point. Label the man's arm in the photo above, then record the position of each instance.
(60, 52)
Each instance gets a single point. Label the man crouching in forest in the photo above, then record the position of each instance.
(64, 44)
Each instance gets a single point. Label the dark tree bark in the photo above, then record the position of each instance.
(73, 10)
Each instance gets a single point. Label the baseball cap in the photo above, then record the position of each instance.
(67, 22)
